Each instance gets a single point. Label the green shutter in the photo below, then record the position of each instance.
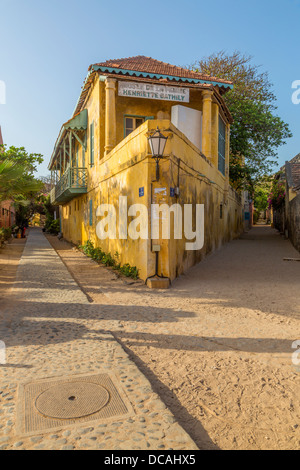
(222, 146)
(83, 152)
(92, 144)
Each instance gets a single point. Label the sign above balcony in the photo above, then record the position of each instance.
(154, 92)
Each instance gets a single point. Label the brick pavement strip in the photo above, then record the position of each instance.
(52, 331)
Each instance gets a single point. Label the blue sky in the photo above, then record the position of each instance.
(46, 47)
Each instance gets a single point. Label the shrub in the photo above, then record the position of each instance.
(5, 234)
(277, 196)
(129, 271)
(54, 227)
(108, 260)
(255, 217)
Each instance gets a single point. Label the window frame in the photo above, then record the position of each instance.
(135, 116)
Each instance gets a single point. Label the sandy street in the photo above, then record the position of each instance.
(217, 345)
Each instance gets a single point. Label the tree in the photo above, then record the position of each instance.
(261, 194)
(257, 131)
(17, 169)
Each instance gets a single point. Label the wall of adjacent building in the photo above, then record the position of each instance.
(294, 221)
(7, 214)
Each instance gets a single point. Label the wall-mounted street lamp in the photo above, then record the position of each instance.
(157, 143)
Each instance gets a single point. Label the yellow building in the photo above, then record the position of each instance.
(102, 156)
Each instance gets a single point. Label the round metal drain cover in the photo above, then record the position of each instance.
(72, 400)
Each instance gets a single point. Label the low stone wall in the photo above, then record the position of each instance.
(294, 222)
(279, 219)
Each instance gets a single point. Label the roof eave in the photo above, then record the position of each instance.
(157, 76)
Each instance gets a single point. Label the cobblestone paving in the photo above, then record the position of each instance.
(51, 331)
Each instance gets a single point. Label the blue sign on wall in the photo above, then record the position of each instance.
(247, 215)
(172, 192)
(141, 191)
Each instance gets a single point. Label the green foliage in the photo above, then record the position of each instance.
(28, 161)
(16, 173)
(5, 234)
(255, 217)
(129, 271)
(240, 175)
(277, 194)
(261, 194)
(257, 131)
(88, 248)
(108, 260)
(52, 226)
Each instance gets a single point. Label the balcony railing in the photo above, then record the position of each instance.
(72, 183)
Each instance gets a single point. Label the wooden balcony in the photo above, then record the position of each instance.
(71, 184)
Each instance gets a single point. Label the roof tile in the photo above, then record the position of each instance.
(141, 63)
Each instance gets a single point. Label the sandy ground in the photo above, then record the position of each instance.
(217, 345)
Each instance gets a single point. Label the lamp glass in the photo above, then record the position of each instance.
(157, 143)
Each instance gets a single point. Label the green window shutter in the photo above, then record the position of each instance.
(83, 151)
(92, 144)
(222, 146)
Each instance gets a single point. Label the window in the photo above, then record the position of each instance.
(222, 146)
(92, 144)
(131, 123)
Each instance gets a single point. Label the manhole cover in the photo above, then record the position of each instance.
(72, 400)
(55, 403)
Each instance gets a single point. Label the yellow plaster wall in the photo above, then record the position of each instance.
(129, 167)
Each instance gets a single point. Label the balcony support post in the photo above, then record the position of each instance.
(64, 152)
(60, 172)
(70, 148)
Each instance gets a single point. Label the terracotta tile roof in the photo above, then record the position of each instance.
(296, 159)
(148, 65)
(292, 172)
